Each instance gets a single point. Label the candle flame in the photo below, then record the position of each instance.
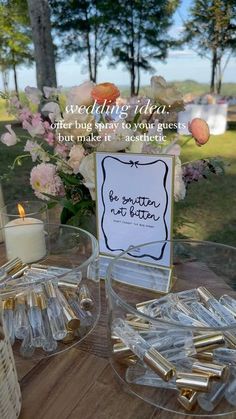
(21, 211)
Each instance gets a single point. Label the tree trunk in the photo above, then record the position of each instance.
(213, 71)
(132, 84)
(15, 80)
(5, 80)
(138, 81)
(219, 78)
(39, 13)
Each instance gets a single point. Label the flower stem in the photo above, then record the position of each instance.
(186, 141)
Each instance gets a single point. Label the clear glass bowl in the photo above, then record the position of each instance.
(195, 264)
(75, 252)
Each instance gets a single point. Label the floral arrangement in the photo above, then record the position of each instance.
(64, 129)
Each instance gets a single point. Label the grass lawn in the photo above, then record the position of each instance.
(210, 204)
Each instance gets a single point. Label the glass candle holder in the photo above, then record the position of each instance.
(24, 209)
(52, 303)
(176, 351)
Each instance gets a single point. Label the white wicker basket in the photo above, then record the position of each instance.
(10, 395)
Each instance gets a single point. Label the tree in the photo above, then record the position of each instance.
(82, 27)
(211, 28)
(15, 41)
(139, 31)
(44, 54)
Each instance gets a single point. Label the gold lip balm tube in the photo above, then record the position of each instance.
(19, 271)
(9, 268)
(68, 286)
(204, 294)
(187, 398)
(207, 342)
(140, 347)
(120, 350)
(215, 371)
(197, 382)
(204, 356)
(85, 299)
(72, 321)
(230, 339)
(154, 360)
(138, 325)
(8, 317)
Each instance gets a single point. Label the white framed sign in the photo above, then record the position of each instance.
(134, 204)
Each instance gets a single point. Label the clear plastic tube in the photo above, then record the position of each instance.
(49, 344)
(138, 374)
(209, 401)
(27, 348)
(8, 316)
(21, 321)
(205, 315)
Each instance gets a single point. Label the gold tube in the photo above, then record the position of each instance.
(72, 321)
(70, 337)
(20, 298)
(68, 285)
(197, 382)
(86, 302)
(42, 301)
(8, 304)
(50, 289)
(231, 339)
(120, 350)
(10, 263)
(187, 398)
(154, 360)
(205, 356)
(138, 325)
(19, 272)
(216, 371)
(128, 361)
(205, 343)
(145, 303)
(204, 294)
(32, 300)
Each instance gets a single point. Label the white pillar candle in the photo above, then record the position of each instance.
(25, 238)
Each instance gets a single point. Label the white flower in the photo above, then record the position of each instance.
(81, 95)
(115, 138)
(76, 155)
(53, 111)
(87, 170)
(33, 94)
(9, 138)
(136, 146)
(77, 125)
(36, 151)
(179, 185)
(164, 94)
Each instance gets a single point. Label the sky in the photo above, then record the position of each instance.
(180, 65)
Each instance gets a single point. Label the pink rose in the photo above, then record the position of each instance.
(200, 131)
(9, 138)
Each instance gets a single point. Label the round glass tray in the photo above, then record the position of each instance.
(49, 287)
(137, 327)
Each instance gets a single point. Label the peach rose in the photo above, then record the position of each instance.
(105, 91)
(200, 131)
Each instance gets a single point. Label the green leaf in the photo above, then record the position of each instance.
(70, 179)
